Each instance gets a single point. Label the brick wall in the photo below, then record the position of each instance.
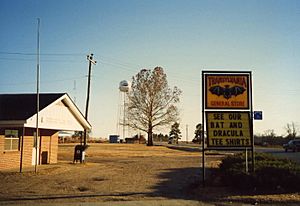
(54, 148)
(27, 151)
(11, 159)
(8, 159)
(49, 145)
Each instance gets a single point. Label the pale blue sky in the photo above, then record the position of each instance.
(184, 37)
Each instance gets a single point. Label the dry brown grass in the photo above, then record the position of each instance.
(122, 172)
(112, 170)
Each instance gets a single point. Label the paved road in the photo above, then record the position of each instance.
(170, 202)
(279, 152)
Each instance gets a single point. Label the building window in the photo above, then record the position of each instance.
(11, 140)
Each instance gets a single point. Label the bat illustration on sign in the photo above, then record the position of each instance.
(227, 91)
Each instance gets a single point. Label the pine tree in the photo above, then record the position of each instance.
(175, 133)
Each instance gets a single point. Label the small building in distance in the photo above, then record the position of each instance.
(136, 139)
(18, 113)
(114, 139)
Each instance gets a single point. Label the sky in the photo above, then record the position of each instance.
(183, 37)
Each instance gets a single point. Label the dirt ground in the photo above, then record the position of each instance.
(126, 172)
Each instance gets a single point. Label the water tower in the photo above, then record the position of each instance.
(124, 87)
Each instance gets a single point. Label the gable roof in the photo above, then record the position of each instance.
(20, 109)
(23, 106)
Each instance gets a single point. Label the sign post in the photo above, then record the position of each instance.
(227, 112)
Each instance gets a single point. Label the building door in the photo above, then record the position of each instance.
(44, 157)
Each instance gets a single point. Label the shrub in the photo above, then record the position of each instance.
(270, 172)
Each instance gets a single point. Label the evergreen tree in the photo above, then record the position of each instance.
(175, 133)
(198, 134)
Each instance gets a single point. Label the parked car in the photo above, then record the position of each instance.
(293, 145)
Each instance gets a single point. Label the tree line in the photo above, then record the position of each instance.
(269, 137)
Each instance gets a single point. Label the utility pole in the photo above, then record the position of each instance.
(91, 61)
(74, 90)
(187, 132)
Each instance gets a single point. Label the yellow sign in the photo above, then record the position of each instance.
(228, 129)
(227, 91)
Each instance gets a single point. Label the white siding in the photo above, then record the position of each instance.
(56, 116)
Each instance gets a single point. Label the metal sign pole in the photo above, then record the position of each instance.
(251, 124)
(246, 159)
(202, 133)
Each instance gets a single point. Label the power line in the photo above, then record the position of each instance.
(43, 82)
(16, 59)
(126, 66)
(43, 60)
(42, 54)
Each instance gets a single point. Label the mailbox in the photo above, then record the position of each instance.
(79, 153)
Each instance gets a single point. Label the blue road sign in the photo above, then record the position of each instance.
(258, 115)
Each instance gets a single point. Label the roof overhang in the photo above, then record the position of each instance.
(76, 112)
(61, 114)
(12, 123)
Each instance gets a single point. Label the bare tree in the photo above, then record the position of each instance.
(269, 133)
(151, 103)
(291, 130)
